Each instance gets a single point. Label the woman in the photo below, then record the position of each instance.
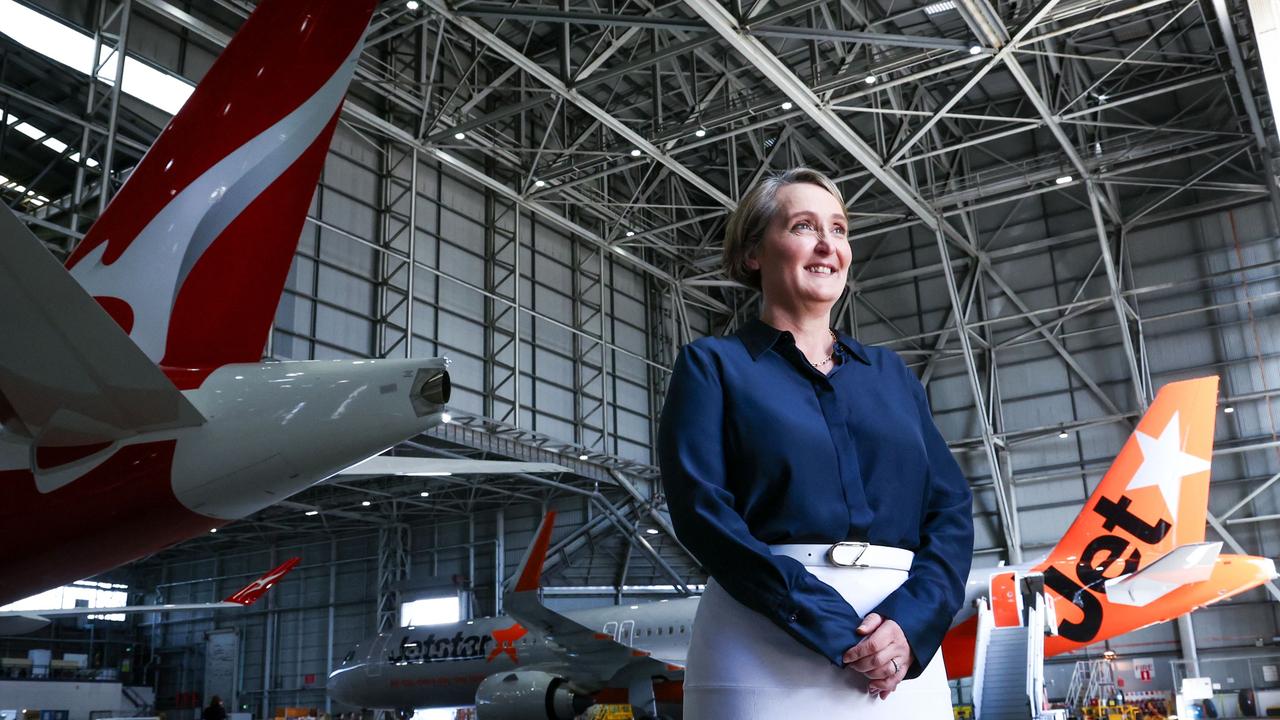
(779, 444)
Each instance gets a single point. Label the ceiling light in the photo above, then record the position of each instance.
(1063, 180)
(424, 493)
(1228, 409)
(939, 7)
(871, 79)
(213, 530)
(1064, 434)
(582, 456)
(539, 183)
(309, 513)
(635, 152)
(459, 136)
(631, 233)
(365, 503)
(652, 531)
(446, 418)
(975, 49)
(786, 105)
(700, 132)
(412, 4)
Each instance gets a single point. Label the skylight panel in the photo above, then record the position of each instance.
(71, 47)
(939, 7)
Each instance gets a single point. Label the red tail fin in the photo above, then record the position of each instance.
(191, 255)
(531, 573)
(250, 593)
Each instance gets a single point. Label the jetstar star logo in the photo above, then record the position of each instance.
(506, 640)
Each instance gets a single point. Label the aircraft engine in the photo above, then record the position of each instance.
(527, 695)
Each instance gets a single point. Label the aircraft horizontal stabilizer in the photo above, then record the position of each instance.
(69, 375)
(1185, 564)
(422, 466)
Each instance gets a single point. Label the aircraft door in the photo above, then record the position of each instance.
(377, 655)
(627, 632)
(1006, 601)
(611, 629)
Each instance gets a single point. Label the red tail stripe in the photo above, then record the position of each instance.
(537, 555)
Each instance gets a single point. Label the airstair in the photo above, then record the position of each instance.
(1008, 663)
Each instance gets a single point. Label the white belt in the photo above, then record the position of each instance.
(848, 554)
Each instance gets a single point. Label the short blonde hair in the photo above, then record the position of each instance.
(745, 230)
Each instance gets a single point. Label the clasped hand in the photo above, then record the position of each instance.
(883, 655)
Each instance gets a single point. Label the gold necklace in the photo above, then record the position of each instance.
(827, 359)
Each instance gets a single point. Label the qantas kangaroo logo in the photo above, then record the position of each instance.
(1164, 465)
(507, 642)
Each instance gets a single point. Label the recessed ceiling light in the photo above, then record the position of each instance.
(309, 513)
(635, 152)
(365, 503)
(1063, 180)
(1228, 409)
(700, 132)
(424, 493)
(786, 105)
(459, 136)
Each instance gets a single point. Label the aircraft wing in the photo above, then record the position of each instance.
(69, 375)
(1184, 564)
(590, 654)
(391, 465)
(243, 597)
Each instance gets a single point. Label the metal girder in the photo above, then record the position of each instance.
(548, 79)
(820, 114)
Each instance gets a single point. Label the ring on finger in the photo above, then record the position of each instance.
(895, 665)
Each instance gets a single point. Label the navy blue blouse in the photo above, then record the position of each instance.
(759, 448)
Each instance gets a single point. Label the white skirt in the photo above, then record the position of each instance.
(741, 666)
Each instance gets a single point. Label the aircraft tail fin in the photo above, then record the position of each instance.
(250, 593)
(1157, 489)
(529, 577)
(192, 253)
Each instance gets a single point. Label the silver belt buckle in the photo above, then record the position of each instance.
(847, 554)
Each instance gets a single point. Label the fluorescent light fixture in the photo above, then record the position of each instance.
(3, 181)
(71, 47)
(786, 105)
(29, 130)
(582, 456)
(635, 152)
(652, 531)
(1063, 180)
(424, 493)
(939, 7)
(700, 132)
(539, 183)
(310, 513)
(871, 80)
(365, 503)
(10, 119)
(54, 144)
(1228, 409)
(975, 49)
(459, 136)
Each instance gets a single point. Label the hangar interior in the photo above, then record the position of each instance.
(1056, 208)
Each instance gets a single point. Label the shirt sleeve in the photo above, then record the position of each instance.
(691, 454)
(924, 605)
